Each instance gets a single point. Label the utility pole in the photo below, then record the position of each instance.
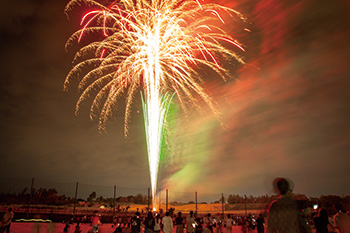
(245, 204)
(30, 197)
(75, 199)
(114, 193)
(222, 203)
(196, 202)
(166, 201)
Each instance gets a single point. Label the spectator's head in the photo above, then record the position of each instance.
(150, 215)
(282, 185)
(339, 207)
(167, 213)
(137, 213)
(324, 215)
(191, 213)
(179, 214)
(10, 209)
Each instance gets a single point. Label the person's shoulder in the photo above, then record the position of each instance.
(274, 203)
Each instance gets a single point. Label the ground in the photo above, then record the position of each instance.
(20, 227)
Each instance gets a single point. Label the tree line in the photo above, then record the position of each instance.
(43, 196)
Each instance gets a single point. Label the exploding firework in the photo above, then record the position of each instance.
(153, 46)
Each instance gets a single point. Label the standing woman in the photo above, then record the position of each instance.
(149, 223)
(322, 224)
(157, 224)
(228, 223)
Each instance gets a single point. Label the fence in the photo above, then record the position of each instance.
(165, 199)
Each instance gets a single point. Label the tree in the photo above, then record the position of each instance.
(234, 199)
(92, 196)
(100, 199)
(130, 198)
(139, 199)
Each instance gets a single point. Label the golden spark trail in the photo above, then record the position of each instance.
(154, 46)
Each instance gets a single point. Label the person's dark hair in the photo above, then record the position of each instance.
(167, 213)
(191, 213)
(137, 213)
(179, 214)
(150, 215)
(324, 215)
(209, 214)
(10, 209)
(282, 185)
(229, 216)
(339, 207)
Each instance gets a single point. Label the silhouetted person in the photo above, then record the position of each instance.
(283, 212)
(260, 224)
(118, 228)
(179, 223)
(6, 221)
(136, 223)
(66, 227)
(190, 222)
(95, 221)
(149, 222)
(198, 226)
(77, 228)
(322, 222)
(208, 222)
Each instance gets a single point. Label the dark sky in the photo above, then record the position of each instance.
(287, 115)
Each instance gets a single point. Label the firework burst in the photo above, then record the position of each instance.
(153, 46)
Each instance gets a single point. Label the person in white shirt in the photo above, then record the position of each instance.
(167, 223)
(157, 223)
(228, 223)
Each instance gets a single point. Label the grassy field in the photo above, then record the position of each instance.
(237, 209)
(58, 228)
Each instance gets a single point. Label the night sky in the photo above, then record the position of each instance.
(286, 113)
